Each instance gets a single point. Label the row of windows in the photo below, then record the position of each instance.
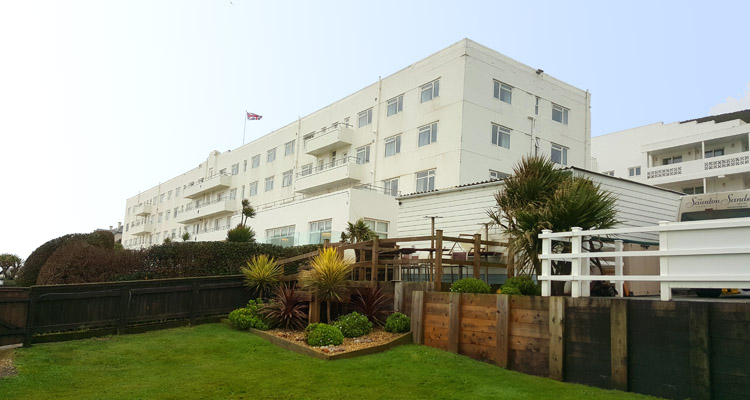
(395, 105)
(504, 92)
(318, 232)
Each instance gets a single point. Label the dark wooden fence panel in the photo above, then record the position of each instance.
(658, 348)
(587, 342)
(14, 303)
(729, 326)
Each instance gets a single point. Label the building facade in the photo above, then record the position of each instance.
(464, 114)
(702, 155)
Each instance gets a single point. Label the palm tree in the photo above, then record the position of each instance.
(262, 274)
(327, 278)
(541, 196)
(357, 232)
(247, 211)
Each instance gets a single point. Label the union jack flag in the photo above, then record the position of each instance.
(253, 117)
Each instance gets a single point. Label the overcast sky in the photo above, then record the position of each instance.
(100, 100)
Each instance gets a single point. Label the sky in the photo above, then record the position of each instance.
(102, 99)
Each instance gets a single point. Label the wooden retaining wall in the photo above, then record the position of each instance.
(678, 349)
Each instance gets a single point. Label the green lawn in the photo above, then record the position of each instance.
(215, 362)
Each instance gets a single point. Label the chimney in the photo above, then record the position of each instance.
(119, 225)
(110, 227)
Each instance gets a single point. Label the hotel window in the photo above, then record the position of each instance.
(560, 114)
(243, 192)
(160, 217)
(364, 118)
(497, 175)
(175, 212)
(536, 106)
(501, 136)
(632, 171)
(427, 134)
(392, 146)
(503, 92)
(177, 192)
(289, 148)
(671, 160)
(307, 169)
(379, 227)
(714, 153)
(693, 190)
(253, 189)
(233, 194)
(395, 105)
(271, 155)
(319, 231)
(161, 198)
(363, 155)
(269, 184)
(256, 161)
(610, 173)
(169, 195)
(559, 154)
(244, 166)
(282, 236)
(391, 187)
(167, 215)
(286, 179)
(236, 169)
(426, 181)
(429, 91)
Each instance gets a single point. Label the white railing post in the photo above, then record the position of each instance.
(664, 287)
(575, 263)
(546, 264)
(619, 268)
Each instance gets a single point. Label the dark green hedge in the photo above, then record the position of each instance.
(184, 259)
(28, 275)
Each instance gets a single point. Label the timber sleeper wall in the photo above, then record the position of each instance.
(673, 349)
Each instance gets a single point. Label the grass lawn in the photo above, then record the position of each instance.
(214, 362)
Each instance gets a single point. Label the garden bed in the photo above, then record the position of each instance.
(375, 342)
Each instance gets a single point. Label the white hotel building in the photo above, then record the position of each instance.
(702, 155)
(462, 115)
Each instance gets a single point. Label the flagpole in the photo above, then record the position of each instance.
(244, 128)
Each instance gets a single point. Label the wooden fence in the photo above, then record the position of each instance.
(63, 312)
(14, 305)
(674, 350)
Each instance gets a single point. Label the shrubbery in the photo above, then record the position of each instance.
(397, 323)
(79, 261)
(470, 285)
(29, 274)
(248, 317)
(323, 335)
(520, 285)
(353, 325)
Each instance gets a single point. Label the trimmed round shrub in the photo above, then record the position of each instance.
(470, 285)
(397, 323)
(521, 285)
(324, 335)
(248, 317)
(353, 325)
(79, 262)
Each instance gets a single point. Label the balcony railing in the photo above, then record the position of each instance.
(141, 228)
(202, 186)
(142, 209)
(703, 168)
(323, 142)
(214, 208)
(343, 171)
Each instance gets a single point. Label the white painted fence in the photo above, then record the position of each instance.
(700, 254)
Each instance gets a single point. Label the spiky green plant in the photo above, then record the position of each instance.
(541, 196)
(262, 274)
(287, 309)
(241, 234)
(327, 277)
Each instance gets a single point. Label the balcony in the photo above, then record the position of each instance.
(698, 169)
(215, 208)
(340, 172)
(202, 186)
(324, 142)
(142, 209)
(141, 228)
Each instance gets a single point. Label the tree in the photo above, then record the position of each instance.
(9, 266)
(241, 233)
(186, 236)
(327, 278)
(247, 211)
(357, 232)
(540, 196)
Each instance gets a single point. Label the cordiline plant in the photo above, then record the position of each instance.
(373, 303)
(262, 275)
(287, 309)
(327, 278)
